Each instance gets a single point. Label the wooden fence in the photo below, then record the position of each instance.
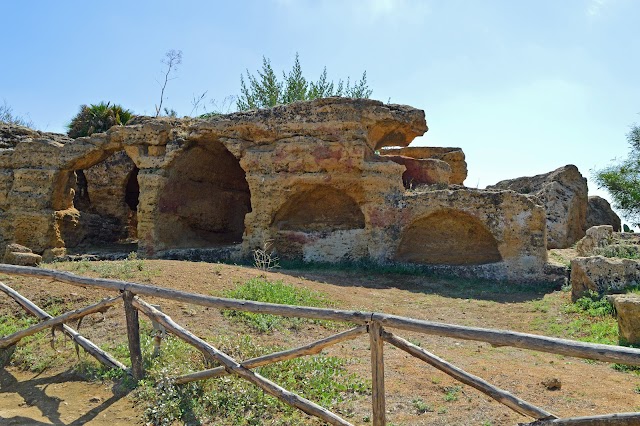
(375, 324)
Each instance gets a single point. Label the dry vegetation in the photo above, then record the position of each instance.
(42, 385)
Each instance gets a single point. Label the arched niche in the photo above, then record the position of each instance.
(448, 237)
(106, 197)
(322, 208)
(320, 224)
(205, 199)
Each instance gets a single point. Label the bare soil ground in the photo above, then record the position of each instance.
(58, 396)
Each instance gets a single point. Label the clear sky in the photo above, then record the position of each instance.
(522, 86)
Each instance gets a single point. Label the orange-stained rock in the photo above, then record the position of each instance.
(454, 157)
(427, 171)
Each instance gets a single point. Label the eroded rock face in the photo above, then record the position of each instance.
(602, 275)
(599, 212)
(454, 157)
(628, 315)
(564, 194)
(304, 176)
(428, 171)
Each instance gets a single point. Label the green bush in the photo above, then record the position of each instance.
(97, 118)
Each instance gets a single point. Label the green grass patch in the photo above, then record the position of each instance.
(261, 290)
(130, 268)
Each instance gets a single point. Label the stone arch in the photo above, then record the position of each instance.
(321, 208)
(105, 190)
(448, 237)
(204, 200)
(320, 224)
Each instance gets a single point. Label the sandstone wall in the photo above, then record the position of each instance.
(304, 176)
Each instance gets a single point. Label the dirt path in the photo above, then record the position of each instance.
(61, 399)
(587, 388)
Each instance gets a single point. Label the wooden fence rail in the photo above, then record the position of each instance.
(373, 323)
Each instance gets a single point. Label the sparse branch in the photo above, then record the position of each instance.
(172, 59)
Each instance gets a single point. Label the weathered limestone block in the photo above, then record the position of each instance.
(452, 156)
(564, 194)
(628, 315)
(599, 212)
(16, 254)
(466, 226)
(427, 171)
(596, 236)
(602, 275)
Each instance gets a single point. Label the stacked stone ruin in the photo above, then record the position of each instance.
(329, 180)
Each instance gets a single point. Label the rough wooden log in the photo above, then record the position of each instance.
(516, 404)
(133, 335)
(78, 313)
(231, 365)
(607, 353)
(310, 349)
(377, 374)
(92, 349)
(619, 419)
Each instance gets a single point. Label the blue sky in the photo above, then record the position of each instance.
(522, 86)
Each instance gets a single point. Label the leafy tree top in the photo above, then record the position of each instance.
(622, 180)
(97, 118)
(265, 90)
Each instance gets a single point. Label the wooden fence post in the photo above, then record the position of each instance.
(377, 374)
(6, 354)
(133, 333)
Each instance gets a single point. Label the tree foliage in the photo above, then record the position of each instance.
(97, 118)
(622, 180)
(265, 90)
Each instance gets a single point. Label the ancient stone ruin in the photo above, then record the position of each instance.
(326, 181)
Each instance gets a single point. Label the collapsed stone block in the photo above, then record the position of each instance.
(564, 194)
(602, 275)
(16, 254)
(628, 315)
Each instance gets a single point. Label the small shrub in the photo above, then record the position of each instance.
(421, 406)
(451, 393)
(593, 305)
(264, 258)
(97, 118)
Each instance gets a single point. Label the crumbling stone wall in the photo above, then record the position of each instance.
(305, 176)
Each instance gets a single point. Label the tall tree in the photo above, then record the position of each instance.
(622, 180)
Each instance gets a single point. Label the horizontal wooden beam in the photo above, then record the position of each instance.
(607, 353)
(230, 364)
(620, 419)
(310, 349)
(516, 404)
(78, 313)
(91, 348)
